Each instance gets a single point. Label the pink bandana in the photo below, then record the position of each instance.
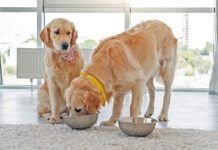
(70, 55)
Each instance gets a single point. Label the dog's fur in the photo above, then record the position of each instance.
(128, 61)
(59, 72)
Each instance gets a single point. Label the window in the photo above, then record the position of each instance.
(92, 27)
(193, 26)
(17, 30)
(195, 33)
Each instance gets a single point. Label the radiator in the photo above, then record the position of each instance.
(30, 63)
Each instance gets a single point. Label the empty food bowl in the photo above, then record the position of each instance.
(81, 122)
(137, 126)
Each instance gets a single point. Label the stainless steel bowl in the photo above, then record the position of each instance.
(81, 122)
(137, 126)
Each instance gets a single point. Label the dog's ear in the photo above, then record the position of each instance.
(74, 35)
(92, 101)
(45, 36)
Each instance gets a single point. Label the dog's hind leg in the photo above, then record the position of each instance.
(43, 105)
(151, 90)
(167, 75)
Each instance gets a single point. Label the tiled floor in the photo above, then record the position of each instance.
(196, 110)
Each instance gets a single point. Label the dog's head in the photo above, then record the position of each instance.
(82, 97)
(60, 34)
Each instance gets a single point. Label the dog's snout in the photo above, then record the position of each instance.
(78, 110)
(64, 46)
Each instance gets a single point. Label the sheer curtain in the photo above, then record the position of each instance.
(213, 88)
(0, 69)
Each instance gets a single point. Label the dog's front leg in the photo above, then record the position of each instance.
(54, 97)
(117, 108)
(137, 96)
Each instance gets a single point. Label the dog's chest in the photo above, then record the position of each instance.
(61, 70)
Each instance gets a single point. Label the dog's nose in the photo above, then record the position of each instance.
(64, 46)
(78, 110)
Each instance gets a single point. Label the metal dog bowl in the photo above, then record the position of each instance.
(81, 122)
(137, 126)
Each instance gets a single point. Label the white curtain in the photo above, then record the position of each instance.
(0, 70)
(213, 87)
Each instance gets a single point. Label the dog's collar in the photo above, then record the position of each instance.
(71, 55)
(98, 84)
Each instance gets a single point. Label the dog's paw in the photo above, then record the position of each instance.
(149, 113)
(62, 116)
(47, 116)
(163, 117)
(54, 121)
(107, 123)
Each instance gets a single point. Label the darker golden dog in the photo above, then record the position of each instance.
(126, 62)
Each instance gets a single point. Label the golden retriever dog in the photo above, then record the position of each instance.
(63, 62)
(126, 62)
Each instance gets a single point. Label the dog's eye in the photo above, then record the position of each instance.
(68, 33)
(57, 32)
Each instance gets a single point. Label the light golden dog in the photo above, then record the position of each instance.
(127, 61)
(63, 62)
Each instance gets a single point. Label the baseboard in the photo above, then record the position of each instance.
(213, 93)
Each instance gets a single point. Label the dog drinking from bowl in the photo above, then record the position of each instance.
(63, 62)
(126, 62)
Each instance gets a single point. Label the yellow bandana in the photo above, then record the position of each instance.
(98, 84)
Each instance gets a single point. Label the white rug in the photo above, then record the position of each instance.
(58, 137)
